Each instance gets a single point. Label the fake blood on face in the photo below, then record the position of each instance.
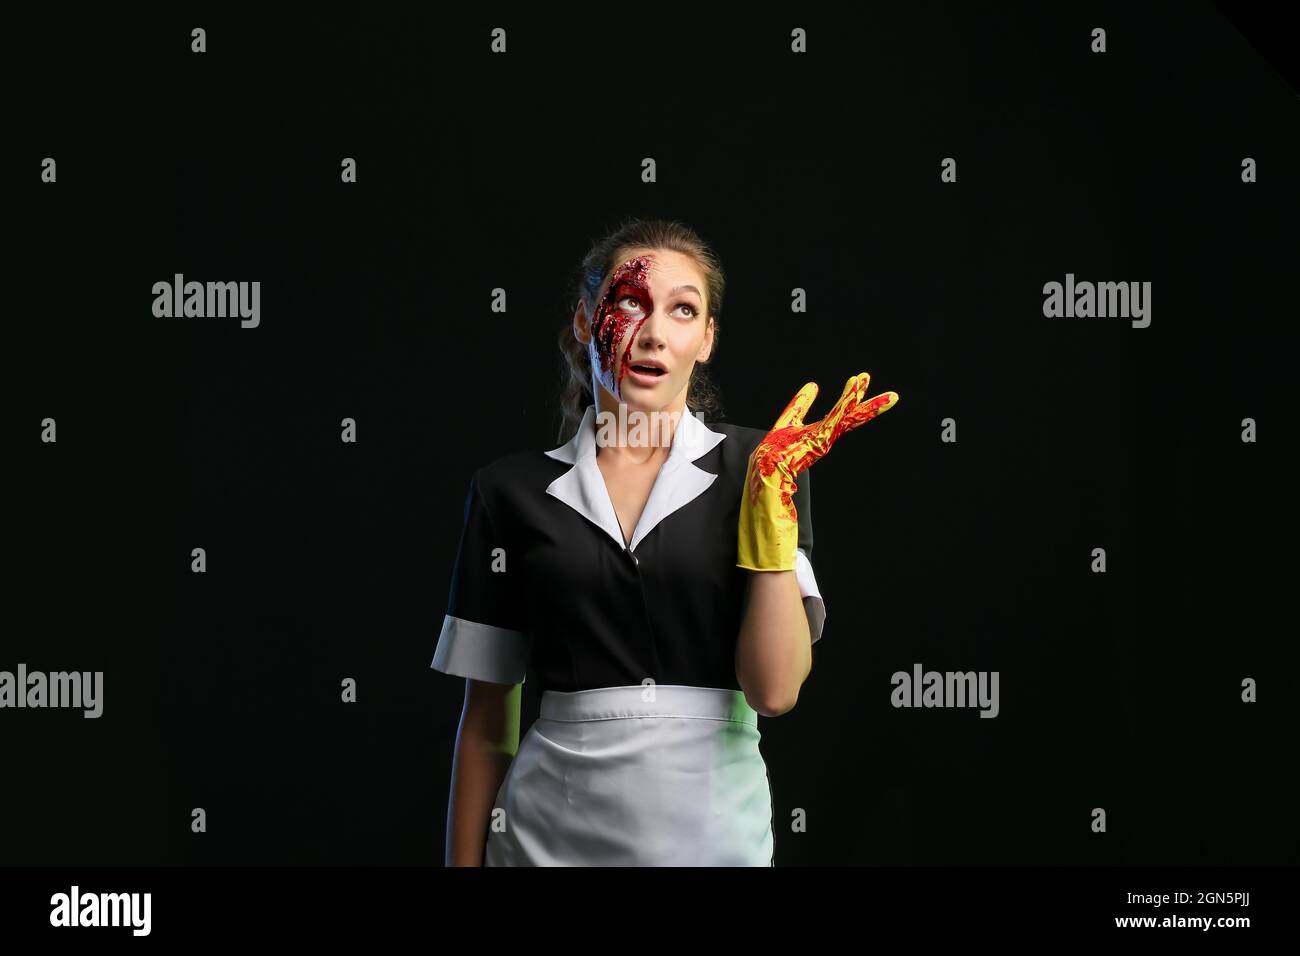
(613, 325)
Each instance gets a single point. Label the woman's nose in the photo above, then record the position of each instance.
(651, 332)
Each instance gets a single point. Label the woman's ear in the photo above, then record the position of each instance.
(581, 325)
(706, 349)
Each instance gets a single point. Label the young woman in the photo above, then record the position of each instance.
(655, 574)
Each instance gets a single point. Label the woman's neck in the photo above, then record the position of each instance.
(636, 436)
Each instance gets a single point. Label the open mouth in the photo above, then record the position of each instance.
(653, 370)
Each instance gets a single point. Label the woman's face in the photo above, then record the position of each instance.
(649, 328)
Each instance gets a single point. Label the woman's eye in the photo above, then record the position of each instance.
(635, 305)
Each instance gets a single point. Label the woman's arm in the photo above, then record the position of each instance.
(774, 650)
(486, 742)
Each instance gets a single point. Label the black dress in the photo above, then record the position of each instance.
(646, 752)
(543, 577)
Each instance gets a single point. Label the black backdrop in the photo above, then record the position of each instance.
(329, 560)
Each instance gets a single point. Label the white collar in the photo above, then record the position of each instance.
(678, 483)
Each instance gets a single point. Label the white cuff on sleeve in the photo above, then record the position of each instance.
(813, 604)
(482, 652)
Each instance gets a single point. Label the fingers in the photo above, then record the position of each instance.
(853, 411)
(865, 411)
(850, 412)
(836, 421)
(798, 407)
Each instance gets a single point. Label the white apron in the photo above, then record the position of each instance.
(606, 778)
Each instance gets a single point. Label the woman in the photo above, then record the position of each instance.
(654, 572)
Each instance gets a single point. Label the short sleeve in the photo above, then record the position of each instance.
(485, 634)
(813, 604)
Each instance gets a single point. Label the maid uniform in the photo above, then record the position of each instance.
(645, 752)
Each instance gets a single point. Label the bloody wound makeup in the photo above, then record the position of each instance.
(612, 323)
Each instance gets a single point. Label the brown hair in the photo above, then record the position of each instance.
(702, 395)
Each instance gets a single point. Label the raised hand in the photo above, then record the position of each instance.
(769, 525)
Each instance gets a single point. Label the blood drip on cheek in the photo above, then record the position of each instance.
(612, 323)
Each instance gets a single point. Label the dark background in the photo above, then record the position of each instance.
(328, 561)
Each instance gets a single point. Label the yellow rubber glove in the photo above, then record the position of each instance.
(769, 525)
